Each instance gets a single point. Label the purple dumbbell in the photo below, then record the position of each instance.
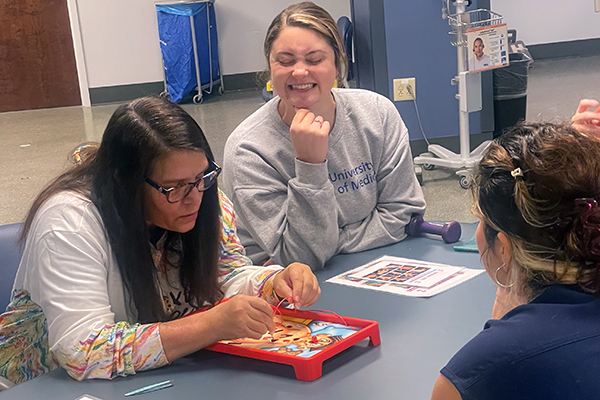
(450, 231)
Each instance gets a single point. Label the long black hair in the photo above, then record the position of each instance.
(138, 134)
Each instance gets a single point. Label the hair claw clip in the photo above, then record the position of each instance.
(516, 172)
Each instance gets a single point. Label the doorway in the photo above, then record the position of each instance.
(37, 60)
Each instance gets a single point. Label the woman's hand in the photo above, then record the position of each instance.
(586, 121)
(310, 136)
(241, 316)
(298, 282)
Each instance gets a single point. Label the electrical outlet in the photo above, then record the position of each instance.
(402, 91)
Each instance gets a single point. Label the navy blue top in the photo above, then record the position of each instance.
(547, 349)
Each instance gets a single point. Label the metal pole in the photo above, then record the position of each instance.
(195, 45)
(461, 54)
(209, 47)
(222, 87)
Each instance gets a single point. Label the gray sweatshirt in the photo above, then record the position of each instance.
(361, 197)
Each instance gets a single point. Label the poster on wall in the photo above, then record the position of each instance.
(487, 48)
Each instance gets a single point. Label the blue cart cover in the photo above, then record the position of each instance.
(177, 48)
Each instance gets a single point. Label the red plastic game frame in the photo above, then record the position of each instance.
(309, 369)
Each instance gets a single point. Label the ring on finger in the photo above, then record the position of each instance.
(319, 120)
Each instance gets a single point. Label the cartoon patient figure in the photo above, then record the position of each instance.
(311, 343)
(287, 332)
(318, 341)
(297, 337)
(291, 337)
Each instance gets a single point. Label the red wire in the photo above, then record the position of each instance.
(277, 310)
(331, 312)
(321, 311)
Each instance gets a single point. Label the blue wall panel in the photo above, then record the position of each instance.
(418, 45)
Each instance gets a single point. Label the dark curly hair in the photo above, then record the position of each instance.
(539, 184)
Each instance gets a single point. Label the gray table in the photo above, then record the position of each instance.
(418, 337)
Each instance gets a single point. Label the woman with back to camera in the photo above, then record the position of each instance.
(537, 194)
(318, 170)
(119, 248)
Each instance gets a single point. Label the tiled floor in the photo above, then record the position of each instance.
(34, 145)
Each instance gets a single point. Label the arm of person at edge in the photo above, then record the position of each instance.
(88, 343)
(399, 194)
(444, 390)
(296, 219)
(585, 120)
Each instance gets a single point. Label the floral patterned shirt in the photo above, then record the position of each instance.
(68, 306)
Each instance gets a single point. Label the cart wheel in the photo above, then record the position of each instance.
(165, 95)
(429, 167)
(464, 182)
(221, 90)
(198, 99)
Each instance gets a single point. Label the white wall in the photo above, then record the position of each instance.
(242, 26)
(120, 41)
(550, 21)
(120, 38)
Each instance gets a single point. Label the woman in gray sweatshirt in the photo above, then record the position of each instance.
(318, 170)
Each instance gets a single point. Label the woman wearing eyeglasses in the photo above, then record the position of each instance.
(121, 247)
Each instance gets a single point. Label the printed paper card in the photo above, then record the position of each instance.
(413, 278)
(406, 272)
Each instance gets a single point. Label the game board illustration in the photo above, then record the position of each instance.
(297, 337)
(304, 340)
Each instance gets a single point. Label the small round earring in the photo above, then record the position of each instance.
(498, 282)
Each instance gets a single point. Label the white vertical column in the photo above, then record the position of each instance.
(461, 53)
(79, 54)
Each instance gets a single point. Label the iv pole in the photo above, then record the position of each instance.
(469, 96)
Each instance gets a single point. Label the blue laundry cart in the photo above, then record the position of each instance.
(188, 41)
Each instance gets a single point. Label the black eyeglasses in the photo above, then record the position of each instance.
(181, 191)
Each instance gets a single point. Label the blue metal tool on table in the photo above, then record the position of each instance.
(150, 388)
